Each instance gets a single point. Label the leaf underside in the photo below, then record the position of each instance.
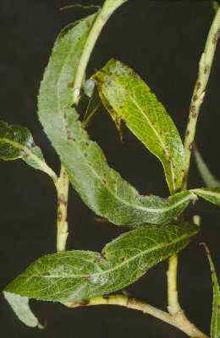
(128, 98)
(21, 307)
(208, 178)
(100, 187)
(210, 195)
(80, 275)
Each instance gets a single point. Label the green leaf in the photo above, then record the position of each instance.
(211, 195)
(17, 143)
(20, 305)
(215, 321)
(127, 98)
(208, 178)
(101, 188)
(80, 275)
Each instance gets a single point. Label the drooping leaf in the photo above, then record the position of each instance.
(211, 195)
(128, 98)
(100, 187)
(21, 307)
(207, 176)
(17, 143)
(79, 275)
(215, 321)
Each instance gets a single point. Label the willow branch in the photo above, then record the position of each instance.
(62, 187)
(63, 183)
(178, 321)
(205, 66)
(172, 290)
(104, 14)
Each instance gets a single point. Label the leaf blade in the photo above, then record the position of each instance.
(127, 98)
(16, 142)
(101, 188)
(208, 178)
(79, 275)
(210, 195)
(20, 306)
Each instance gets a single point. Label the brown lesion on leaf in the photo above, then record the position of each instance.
(69, 133)
(100, 258)
(70, 84)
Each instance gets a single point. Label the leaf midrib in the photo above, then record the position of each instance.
(163, 145)
(138, 207)
(145, 252)
(207, 192)
(134, 206)
(152, 210)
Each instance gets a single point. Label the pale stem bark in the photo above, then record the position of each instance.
(62, 187)
(63, 183)
(172, 288)
(205, 66)
(176, 316)
(104, 14)
(179, 321)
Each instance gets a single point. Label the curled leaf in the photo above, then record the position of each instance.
(128, 98)
(21, 307)
(80, 275)
(17, 143)
(210, 195)
(101, 188)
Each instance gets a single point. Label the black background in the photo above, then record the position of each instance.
(162, 41)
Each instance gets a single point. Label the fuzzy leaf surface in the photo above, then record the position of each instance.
(208, 178)
(20, 305)
(128, 98)
(80, 275)
(17, 143)
(101, 188)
